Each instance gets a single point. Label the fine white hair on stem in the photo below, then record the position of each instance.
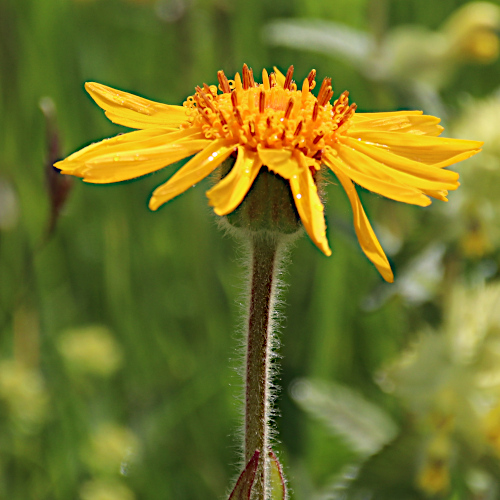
(279, 245)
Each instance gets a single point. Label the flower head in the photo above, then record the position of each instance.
(287, 130)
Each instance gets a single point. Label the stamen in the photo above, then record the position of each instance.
(223, 82)
(222, 119)
(268, 122)
(272, 79)
(318, 138)
(234, 99)
(348, 114)
(204, 96)
(326, 83)
(262, 101)
(238, 117)
(246, 78)
(318, 155)
(251, 81)
(325, 96)
(251, 127)
(311, 79)
(207, 89)
(298, 129)
(343, 99)
(288, 78)
(289, 108)
(315, 111)
(265, 79)
(203, 111)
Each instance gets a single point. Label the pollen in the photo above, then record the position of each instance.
(270, 115)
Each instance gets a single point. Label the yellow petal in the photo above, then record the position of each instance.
(366, 237)
(417, 124)
(438, 151)
(129, 156)
(373, 182)
(439, 195)
(270, 156)
(196, 169)
(377, 162)
(310, 208)
(226, 196)
(280, 77)
(280, 161)
(131, 141)
(384, 114)
(134, 111)
(447, 178)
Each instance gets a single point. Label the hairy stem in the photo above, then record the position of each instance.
(264, 266)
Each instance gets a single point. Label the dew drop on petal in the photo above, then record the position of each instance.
(116, 158)
(299, 196)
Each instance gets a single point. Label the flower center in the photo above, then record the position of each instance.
(272, 114)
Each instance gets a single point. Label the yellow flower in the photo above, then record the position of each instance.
(289, 131)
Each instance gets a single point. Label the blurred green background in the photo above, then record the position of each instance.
(120, 330)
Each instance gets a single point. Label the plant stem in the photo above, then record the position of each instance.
(265, 254)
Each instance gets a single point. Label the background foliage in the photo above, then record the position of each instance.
(117, 329)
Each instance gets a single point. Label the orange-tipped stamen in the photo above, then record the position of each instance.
(289, 108)
(318, 138)
(288, 78)
(348, 114)
(315, 111)
(325, 96)
(207, 101)
(222, 119)
(326, 83)
(311, 79)
(223, 82)
(251, 80)
(238, 117)
(262, 101)
(246, 78)
(298, 129)
(207, 89)
(234, 99)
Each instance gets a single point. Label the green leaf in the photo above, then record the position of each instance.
(363, 425)
(277, 480)
(243, 487)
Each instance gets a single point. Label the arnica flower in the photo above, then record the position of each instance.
(290, 132)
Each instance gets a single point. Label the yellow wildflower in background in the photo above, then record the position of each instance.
(110, 448)
(105, 489)
(291, 132)
(449, 382)
(91, 349)
(24, 394)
